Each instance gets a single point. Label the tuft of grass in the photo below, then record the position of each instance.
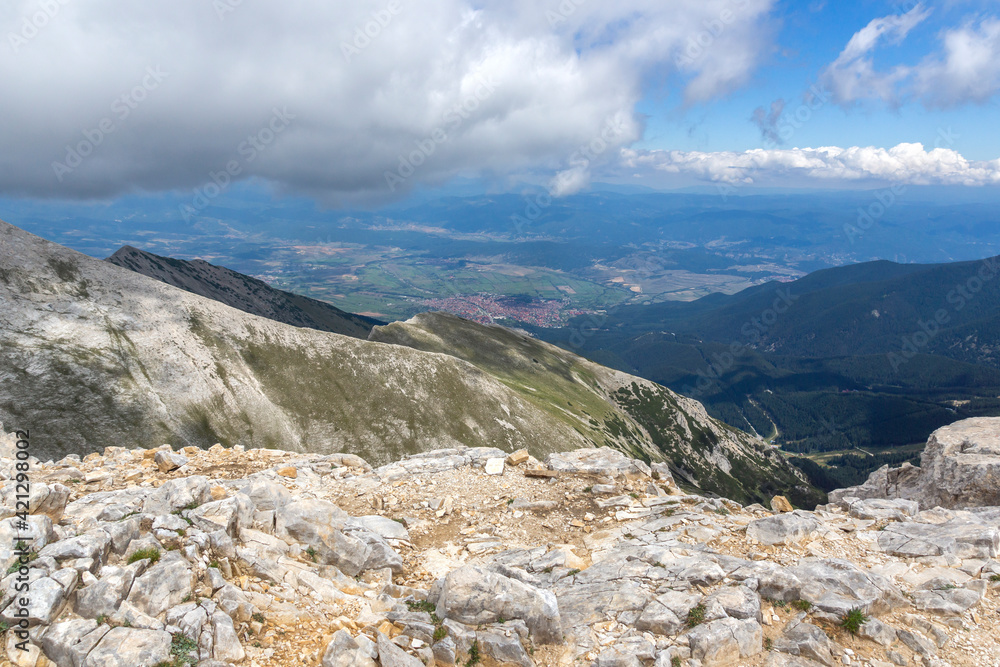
(573, 572)
(779, 604)
(259, 617)
(16, 565)
(152, 553)
(634, 495)
(768, 643)
(675, 661)
(311, 552)
(722, 511)
(853, 620)
(440, 632)
(420, 605)
(4, 627)
(802, 605)
(696, 616)
(216, 564)
(181, 648)
(995, 578)
(474, 656)
(588, 489)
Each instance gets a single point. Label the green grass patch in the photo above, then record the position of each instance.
(853, 620)
(696, 616)
(152, 553)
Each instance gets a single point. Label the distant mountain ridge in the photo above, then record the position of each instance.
(877, 354)
(92, 354)
(243, 292)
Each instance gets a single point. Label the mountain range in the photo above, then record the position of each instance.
(243, 292)
(93, 354)
(868, 355)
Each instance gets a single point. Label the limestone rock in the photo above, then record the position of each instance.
(783, 528)
(129, 647)
(169, 461)
(344, 651)
(600, 461)
(162, 586)
(725, 641)
(781, 504)
(474, 596)
(390, 655)
(959, 468)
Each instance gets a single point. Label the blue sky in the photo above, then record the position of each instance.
(361, 103)
(808, 41)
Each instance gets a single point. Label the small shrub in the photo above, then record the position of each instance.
(768, 643)
(152, 553)
(588, 489)
(573, 573)
(510, 501)
(802, 605)
(421, 605)
(474, 657)
(995, 578)
(675, 661)
(259, 617)
(311, 552)
(779, 604)
(4, 627)
(696, 616)
(853, 620)
(722, 511)
(181, 648)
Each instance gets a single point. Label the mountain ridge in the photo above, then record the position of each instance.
(243, 292)
(93, 353)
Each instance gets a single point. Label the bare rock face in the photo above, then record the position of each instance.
(960, 468)
(961, 464)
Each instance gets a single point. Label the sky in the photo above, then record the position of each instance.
(362, 102)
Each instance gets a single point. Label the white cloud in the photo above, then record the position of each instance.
(967, 71)
(852, 76)
(905, 163)
(491, 87)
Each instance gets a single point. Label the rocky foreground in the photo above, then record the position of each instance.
(145, 558)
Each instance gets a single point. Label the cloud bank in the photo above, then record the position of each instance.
(371, 96)
(905, 163)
